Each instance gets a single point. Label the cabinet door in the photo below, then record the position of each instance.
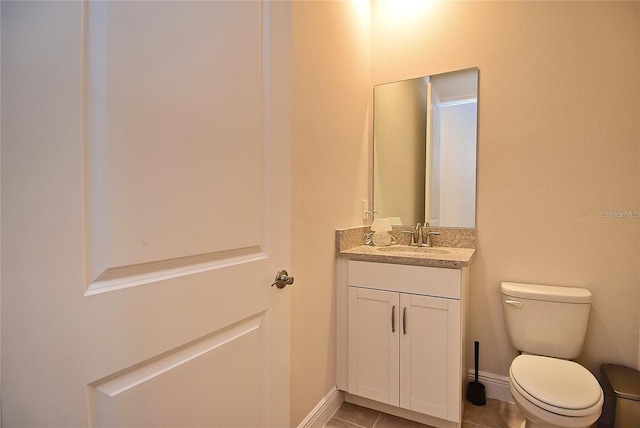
(430, 355)
(373, 344)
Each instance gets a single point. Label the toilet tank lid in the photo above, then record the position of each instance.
(546, 292)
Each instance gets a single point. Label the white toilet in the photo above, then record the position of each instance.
(547, 324)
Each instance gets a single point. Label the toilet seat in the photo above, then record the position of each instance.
(559, 386)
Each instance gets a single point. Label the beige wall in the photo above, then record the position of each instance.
(331, 89)
(558, 144)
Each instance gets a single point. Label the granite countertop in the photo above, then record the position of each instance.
(434, 256)
(454, 248)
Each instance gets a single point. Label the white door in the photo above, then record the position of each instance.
(145, 213)
(430, 356)
(424, 355)
(373, 329)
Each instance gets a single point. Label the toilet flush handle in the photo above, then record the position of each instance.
(515, 303)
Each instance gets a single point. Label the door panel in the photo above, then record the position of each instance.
(424, 350)
(132, 397)
(140, 142)
(373, 344)
(164, 81)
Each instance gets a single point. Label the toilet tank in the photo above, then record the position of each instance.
(546, 320)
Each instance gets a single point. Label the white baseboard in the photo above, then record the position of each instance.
(495, 386)
(324, 410)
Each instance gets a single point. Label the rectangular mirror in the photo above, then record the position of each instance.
(424, 149)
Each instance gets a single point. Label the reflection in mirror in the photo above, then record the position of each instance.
(424, 163)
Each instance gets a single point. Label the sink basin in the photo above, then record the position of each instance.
(411, 250)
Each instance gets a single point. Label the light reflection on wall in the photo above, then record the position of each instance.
(361, 10)
(399, 12)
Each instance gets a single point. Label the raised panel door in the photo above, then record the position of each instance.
(145, 213)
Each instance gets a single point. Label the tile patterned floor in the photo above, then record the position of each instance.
(495, 414)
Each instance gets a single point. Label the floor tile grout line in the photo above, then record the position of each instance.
(350, 422)
(470, 421)
(376, 422)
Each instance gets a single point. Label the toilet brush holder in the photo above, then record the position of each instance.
(475, 390)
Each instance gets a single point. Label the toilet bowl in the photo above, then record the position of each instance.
(552, 392)
(547, 324)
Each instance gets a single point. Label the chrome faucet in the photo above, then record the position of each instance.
(418, 236)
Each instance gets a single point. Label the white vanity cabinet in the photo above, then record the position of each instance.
(405, 334)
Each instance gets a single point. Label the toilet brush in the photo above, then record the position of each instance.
(475, 390)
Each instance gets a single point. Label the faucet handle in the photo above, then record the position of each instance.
(412, 239)
(429, 243)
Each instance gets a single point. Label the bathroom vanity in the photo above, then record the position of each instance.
(402, 310)
(402, 323)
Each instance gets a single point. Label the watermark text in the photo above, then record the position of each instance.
(621, 214)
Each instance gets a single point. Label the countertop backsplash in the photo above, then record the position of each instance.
(449, 237)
